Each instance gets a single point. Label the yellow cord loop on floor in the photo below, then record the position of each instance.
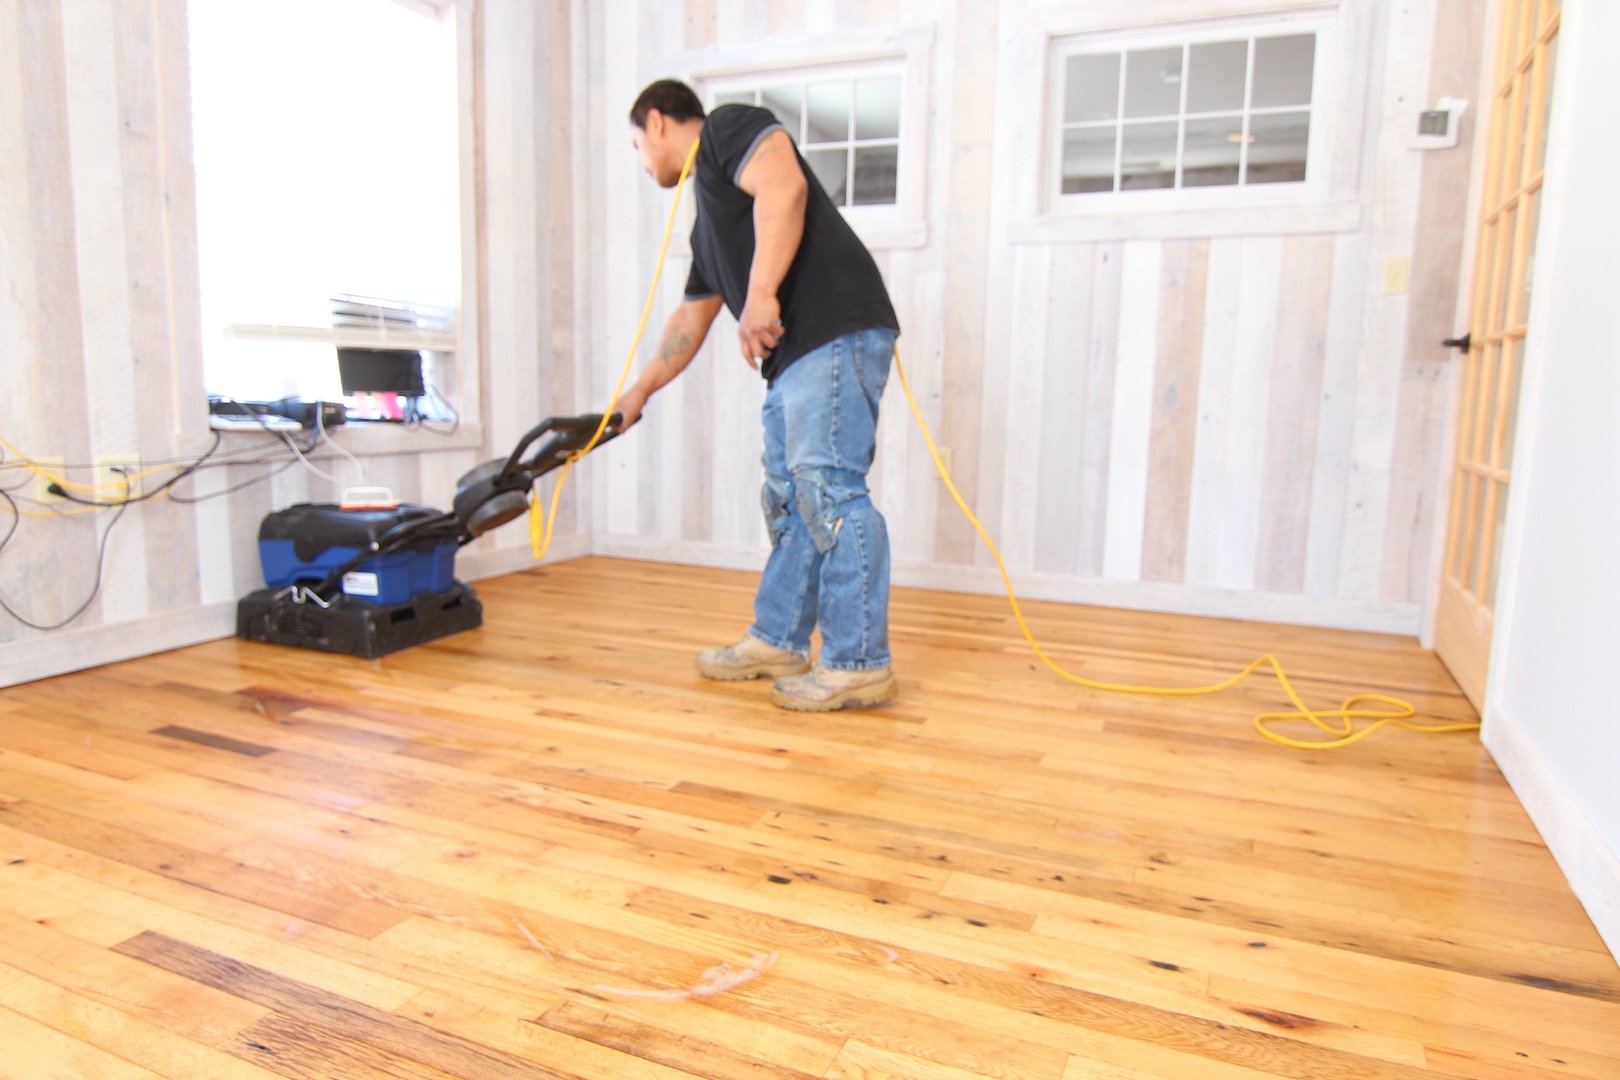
(1344, 731)
(1339, 724)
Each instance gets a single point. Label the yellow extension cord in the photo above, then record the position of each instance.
(1347, 713)
(1344, 732)
(540, 541)
(90, 491)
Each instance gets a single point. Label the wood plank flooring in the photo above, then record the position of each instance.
(545, 848)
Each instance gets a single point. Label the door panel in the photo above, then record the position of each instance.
(1504, 279)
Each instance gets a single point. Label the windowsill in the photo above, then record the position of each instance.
(376, 336)
(1072, 228)
(361, 439)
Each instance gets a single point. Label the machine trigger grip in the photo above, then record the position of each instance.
(491, 494)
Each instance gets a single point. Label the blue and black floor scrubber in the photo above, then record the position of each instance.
(370, 581)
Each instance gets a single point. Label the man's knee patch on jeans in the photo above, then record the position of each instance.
(821, 496)
(773, 500)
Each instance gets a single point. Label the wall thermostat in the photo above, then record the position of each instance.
(1437, 127)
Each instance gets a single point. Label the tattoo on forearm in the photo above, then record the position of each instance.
(675, 347)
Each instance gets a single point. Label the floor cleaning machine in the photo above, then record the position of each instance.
(369, 580)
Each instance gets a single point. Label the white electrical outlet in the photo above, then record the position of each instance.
(1397, 275)
(40, 492)
(111, 474)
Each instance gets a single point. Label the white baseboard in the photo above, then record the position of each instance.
(478, 565)
(1593, 871)
(1176, 599)
(680, 552)
(72, 650)
(1289, 608)
(63, 651)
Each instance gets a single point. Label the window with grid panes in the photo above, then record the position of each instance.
(1231, 111)
(847, 128)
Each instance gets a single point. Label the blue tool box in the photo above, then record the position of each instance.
(299, 545)
(367, 582)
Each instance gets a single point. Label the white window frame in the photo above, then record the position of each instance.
(1326, 201)
(1213, 196)
(905, 53)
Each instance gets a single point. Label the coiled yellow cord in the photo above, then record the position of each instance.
(1343, 731)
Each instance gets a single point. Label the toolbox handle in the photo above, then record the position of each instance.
(368, 498)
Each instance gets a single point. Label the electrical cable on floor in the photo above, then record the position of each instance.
(1398, 712)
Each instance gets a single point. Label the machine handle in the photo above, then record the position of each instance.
(497, 491)
(570, 433)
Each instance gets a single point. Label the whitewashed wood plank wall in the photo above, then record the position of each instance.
(100, 325)
(1239, 425)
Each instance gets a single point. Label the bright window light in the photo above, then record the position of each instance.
(327, 164)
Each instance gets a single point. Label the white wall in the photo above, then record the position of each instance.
(1552, 716)
(1292, 491)
(101, 331)
(1224, 414)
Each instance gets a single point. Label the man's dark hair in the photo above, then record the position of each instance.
(671, 97)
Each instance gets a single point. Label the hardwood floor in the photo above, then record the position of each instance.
(545, 848)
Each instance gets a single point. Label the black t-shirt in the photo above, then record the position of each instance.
(833, 287)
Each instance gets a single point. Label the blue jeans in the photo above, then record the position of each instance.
(829, 561)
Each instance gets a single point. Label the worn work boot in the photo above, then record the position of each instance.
(823, 690)
(750, 658)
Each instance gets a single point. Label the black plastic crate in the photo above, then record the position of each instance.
(354, 627)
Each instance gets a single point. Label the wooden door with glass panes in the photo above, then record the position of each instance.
(1494, 351)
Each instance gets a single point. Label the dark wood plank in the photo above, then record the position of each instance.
(291, 1047)
(218, 742)
(310, 1013)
